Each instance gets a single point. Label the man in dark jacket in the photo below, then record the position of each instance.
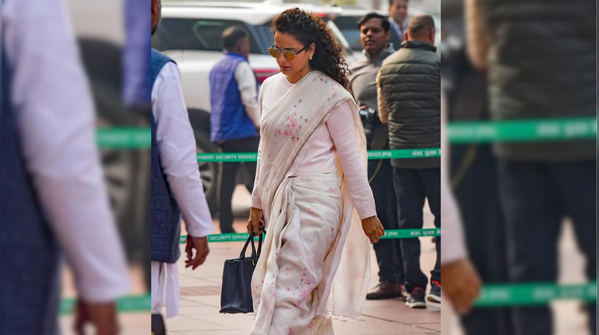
(409, 86)
(375, 30)
(541, 182)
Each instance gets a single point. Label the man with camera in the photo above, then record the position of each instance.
(375, 31)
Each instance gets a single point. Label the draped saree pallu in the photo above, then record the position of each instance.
(316, 258)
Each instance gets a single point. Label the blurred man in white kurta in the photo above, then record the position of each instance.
(53, 200)
(174, 142)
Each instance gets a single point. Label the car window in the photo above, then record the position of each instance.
(348, 25)
(267, 38)
(339, 37)
(265, 35)
(194, 34)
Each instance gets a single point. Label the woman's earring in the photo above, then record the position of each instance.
(310, 56)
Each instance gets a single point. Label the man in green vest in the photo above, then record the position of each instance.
(409, 94)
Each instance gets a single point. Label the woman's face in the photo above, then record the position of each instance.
(300, 60)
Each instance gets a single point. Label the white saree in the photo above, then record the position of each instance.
(315, 262)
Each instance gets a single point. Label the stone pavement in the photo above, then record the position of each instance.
(200, 302)
(200, 296)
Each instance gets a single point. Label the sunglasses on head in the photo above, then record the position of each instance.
(288, 54)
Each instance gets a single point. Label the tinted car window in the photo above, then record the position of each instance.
(194, 34)
(348, 25)
(265, 37)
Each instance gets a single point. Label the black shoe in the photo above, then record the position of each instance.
(385, 290)
(416, 298)
(435, 295)
(227, 230)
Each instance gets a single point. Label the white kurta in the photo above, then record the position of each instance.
(176, 141)
(54, 108)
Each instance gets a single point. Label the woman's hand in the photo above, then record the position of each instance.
(255, 222)
(373, 228)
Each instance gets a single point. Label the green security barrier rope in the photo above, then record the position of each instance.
(374, 154)
(141, 303)
(523, 130)
(458, 132)
(491, 296)
(124, 138)
(389, 234)
(534, 294)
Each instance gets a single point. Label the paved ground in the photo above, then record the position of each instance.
(200, 299)
(200, 295)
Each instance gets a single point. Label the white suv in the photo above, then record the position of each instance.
(190, 33)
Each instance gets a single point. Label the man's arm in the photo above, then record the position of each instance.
(51, 97)
(246, 81)
(176, 141)
(383, 111)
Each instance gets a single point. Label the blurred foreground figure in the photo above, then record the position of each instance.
(53, 197)
(540, 60)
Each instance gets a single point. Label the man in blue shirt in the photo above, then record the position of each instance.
(235, 115)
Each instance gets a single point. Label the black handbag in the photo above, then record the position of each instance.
(236, 294)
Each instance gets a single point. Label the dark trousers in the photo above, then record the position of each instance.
(484, 228)
(228, 180)
(412, 187)
(535, 198)
(388, 251)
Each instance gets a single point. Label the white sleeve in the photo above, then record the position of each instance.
(246, 81)
(53, 104)
(453, 247)
(343, 133)
(256, 201)
(177, 146)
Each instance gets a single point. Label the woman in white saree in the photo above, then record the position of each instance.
(312, 187)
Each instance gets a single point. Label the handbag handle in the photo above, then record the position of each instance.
(254, 255)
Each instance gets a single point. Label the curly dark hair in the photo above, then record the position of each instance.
(309, 28)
